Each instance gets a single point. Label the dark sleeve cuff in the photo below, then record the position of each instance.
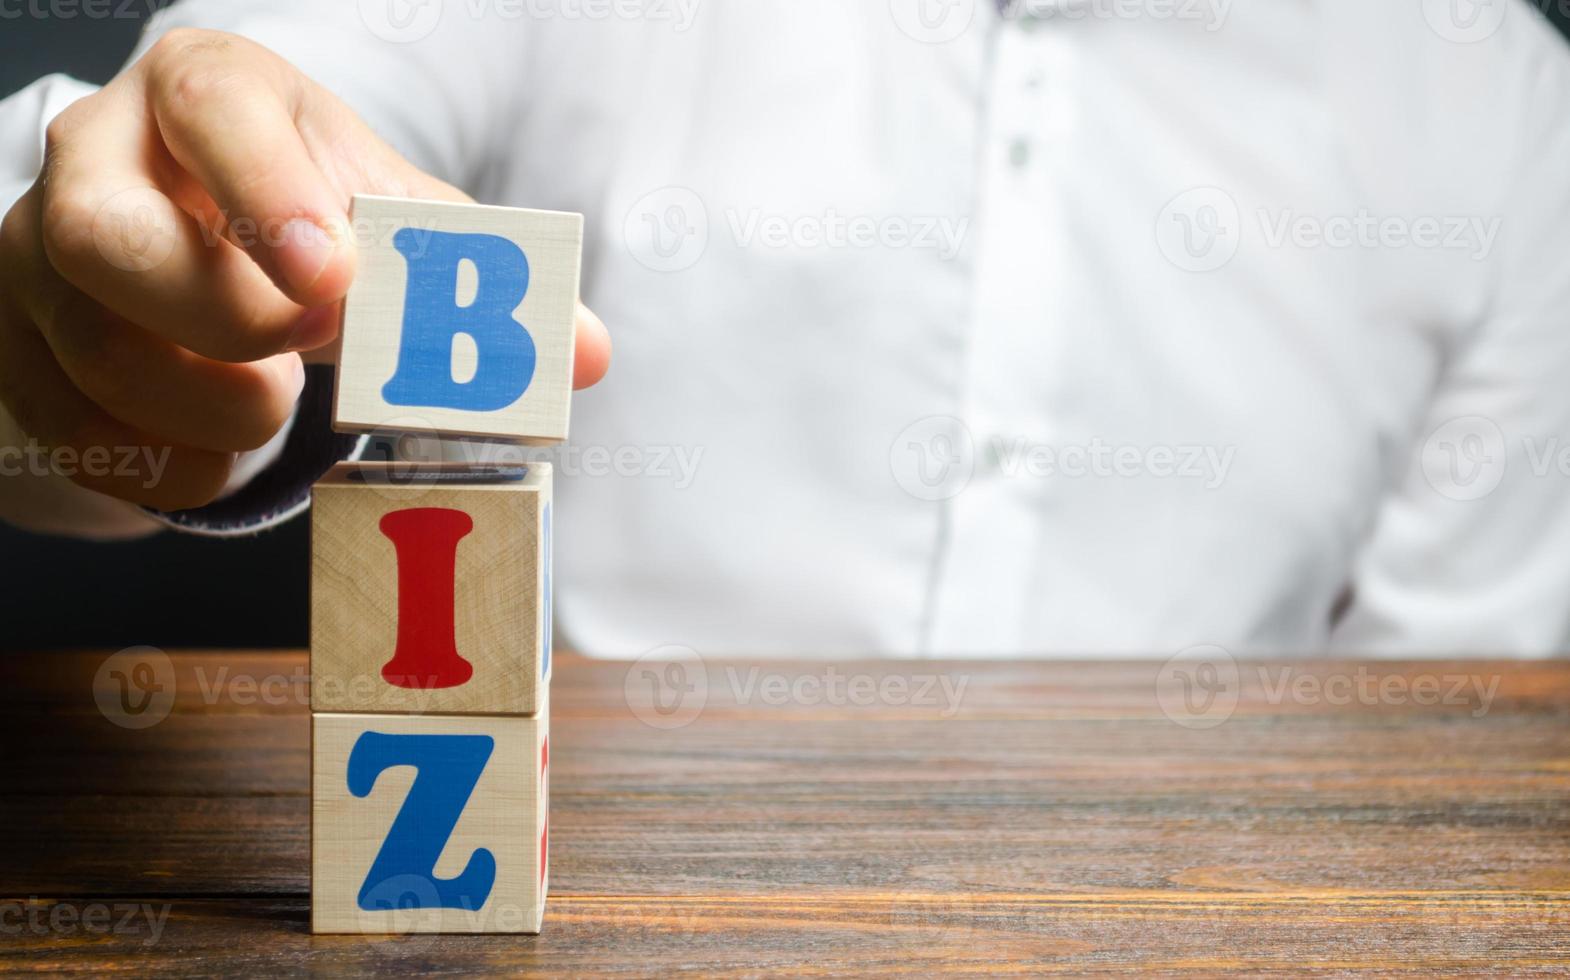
(282, 490)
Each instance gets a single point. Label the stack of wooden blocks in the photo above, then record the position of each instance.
(431, 582)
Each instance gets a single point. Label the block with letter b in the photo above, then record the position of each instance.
(429, 823)
(460, 320)
(431, 588)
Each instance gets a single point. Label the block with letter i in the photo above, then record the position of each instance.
(430, 586)
(430, 664)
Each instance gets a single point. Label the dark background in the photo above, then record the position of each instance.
(173, 589)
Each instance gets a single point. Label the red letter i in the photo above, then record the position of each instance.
(426, 539)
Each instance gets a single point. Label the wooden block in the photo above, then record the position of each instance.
(430, 589)
(459, 320)
(429, 823)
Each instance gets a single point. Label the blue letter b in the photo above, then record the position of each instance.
(432, 318)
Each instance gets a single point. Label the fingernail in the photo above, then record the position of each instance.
(316, 326)
(306, 250)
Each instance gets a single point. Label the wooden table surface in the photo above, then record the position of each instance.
(1029, 817)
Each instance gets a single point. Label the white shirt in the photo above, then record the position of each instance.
(1113, 326)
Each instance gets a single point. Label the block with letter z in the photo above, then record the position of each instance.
(429, 823)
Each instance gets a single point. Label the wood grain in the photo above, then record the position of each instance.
(504, 817)
(1057, 821)
(496, 590)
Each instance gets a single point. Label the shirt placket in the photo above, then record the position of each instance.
(989, 573)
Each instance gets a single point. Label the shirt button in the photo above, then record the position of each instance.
(1019, 151)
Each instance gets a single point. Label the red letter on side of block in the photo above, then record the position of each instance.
(426, 539)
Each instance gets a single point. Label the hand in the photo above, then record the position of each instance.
(185, 242)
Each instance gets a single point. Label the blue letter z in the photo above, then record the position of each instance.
(447, 767)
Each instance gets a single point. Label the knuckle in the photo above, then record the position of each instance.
(191, 71)
(69, 211)
(59, 130)
(189, 67)
(197, 86)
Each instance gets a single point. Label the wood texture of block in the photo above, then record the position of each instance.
(430, 589)
(408, 260)
(429, 823)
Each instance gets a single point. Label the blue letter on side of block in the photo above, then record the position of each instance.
(447, 767)
(432, 317)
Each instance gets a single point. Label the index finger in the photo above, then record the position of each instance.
(227, 111)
